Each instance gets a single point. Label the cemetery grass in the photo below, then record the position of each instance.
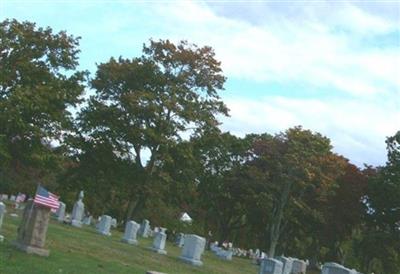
(74, 250)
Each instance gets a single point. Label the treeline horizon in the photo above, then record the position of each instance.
(285, 193)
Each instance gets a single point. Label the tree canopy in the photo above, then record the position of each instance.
(39, 84)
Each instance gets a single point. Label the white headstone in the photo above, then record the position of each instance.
(192, 250)
(87, 220)
(287, 264)
(225, 254)
(270, 266)
(13, 198)
(77, 212)
(334, 268)
(114, 223)
(159, 243)
(2, 213)
(180, 239)
(144, 230)
(131, 229)
(299, 266)
(61, 212)
(104, 226)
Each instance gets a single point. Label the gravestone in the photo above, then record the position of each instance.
(104, 226)
(256, 256)
(299, 266)
(225, 254)
(77, 212)
(33, 229)
(270, 266)
(61, 212)
(144, 230)
(131, 229)
(180, 239)
(192, 249)
(159, 243)
(334, 268)
(214, 246)
(87, 220)
(287, 264)
(2, 213)
(13, 198)
(114, 223)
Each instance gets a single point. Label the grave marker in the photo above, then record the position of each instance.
(33, 228)
(159, 243)
(131, 229)
(77, 212)
(192, 250)
(270, 266)
(104, 226)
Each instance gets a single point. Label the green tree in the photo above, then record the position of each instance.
(223, 185)
(343, 212)
(379, 247)
(144, 105)
(294, 163)
(38, 86)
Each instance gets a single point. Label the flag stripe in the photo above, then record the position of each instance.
(46, 201)
(46, 198)
(55, 203)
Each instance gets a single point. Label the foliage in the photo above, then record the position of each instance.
(223, 186)
(380, 242)
(145, 104)
(295, 164)
(38, 85)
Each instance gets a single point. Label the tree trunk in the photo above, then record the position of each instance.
(272, 247)
(141, 202)
(223, 234)
(277, 219)
(129, 210)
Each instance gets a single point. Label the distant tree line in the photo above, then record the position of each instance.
(142, 138)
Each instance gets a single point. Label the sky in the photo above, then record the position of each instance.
(331, 66)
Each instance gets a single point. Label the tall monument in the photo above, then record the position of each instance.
(78, 211)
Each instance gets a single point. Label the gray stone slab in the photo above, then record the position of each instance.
(130, 234)
(270, 266)
(192, 250)
(32, 230)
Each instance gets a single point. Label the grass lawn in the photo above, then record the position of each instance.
(74, 250)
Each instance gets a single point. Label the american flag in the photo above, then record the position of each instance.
(46, 198)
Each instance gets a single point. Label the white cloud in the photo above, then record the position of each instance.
(357, 128)
(312, 50)
(323, 48)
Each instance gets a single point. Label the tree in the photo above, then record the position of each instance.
(145, 105)
(380, 242)
(343, 212)
(293, 163)
(38, 86)
(223, 184)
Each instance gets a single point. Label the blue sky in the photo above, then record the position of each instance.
(331, 67)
